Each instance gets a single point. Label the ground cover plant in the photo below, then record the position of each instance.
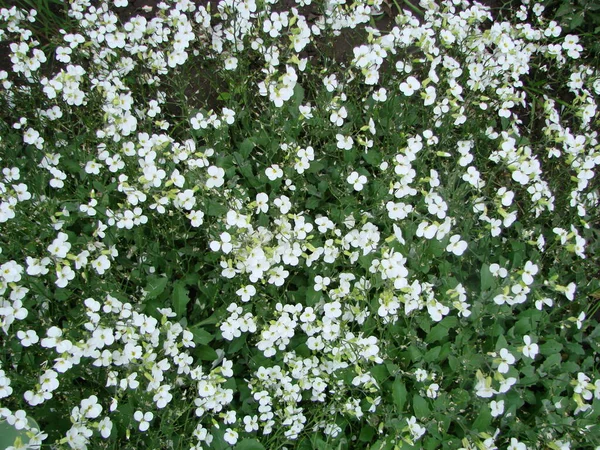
(313, 225)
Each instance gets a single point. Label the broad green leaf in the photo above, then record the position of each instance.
(574, 347)
(576, 21)
(312, 296)
(552, 360)
(399, 394)
(201, 336)
(432, 354)
(483, 420)
(215, 209)
(487, 279)
(312, 202)
(320, 444)
(522, 327)
(373, 157)
(366, 433)
(180, 298)
(382, 445)
(246, 147)
(156, 286)
(454, 363)
(380, 373)
(431, 443)
(249, 444)
(206, 353)
(550, 347)
(437, 333)
(501, 343)
(237, 344)
(298, 95)
(420, 407)
(565, 8)
(449, 321)
(8, 433)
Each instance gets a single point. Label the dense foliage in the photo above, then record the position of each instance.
(274, 224)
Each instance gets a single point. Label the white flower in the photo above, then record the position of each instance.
(409, 86)
(306, 111)
(416, 430)
(332, 310)
(507, 359)
(228, 115)
(105, 427)
(429, 96)
(215, 177)
(18, 419)
(483, 387)
(230, 436)
(337, 117)
(473, 177)
(196, 218)
(274, 172)
(101, 264)
(456, 245)
(144, 419)
(357, 181)
(90, 407)
(250, 423)
(497, 408)
(516, 445)
(432, 390)
(530, 350)
(344, 142)
(421, 375)
(231, 63)
(330, 83)
(380, 96)
(262, 202)
(321, 283)
(529, 271)
(28, 338)
(246, 292)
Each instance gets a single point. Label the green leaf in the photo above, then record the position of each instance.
(215, 209)
(206, 353)
(484, 419)
(437, 333)
(312, 202)
(552, 360)
(312, 296)
(432, 354)
(201, 336)
(320, 444)
(576, 21)
(8, 433)
(366, 433)
(399, 394)
(246, 147)
(454, 363)
(373, 157)
(550, 347)
(487, 279)
(298, 96)
(249, 444)
(209, 321)
(382, 445)
(237, 344)
(156, 286)
(180, 298)
(501, 343)
(564, 9)
(420, 407)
